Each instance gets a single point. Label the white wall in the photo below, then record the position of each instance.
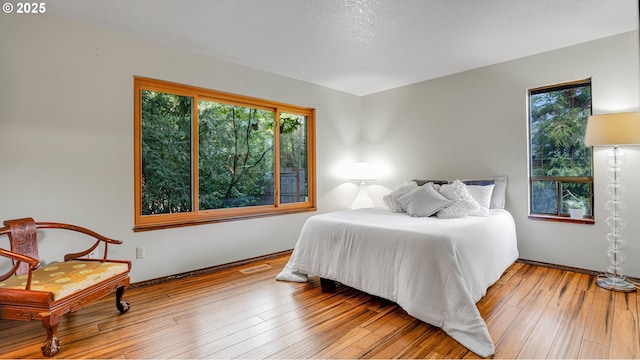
(66, 141)
(474, 124)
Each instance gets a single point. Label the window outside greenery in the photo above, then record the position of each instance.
(293, 158)
(235, 155)
(204, 155)
(560, 163)
(166, 153)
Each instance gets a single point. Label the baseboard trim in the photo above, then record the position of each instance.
(215, 268)
(207, 270)
(558, 267)
(568, 268)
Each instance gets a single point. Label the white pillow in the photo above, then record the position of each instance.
(423, 201)
(499, 192)
(391, 199)
(482, 195)
(462, 203)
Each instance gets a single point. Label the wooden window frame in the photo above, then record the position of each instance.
(197, 216)
(559, 180)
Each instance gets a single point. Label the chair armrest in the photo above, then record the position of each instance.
(18, 258)
(99, 239)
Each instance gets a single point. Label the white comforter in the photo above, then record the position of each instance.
(435, 269)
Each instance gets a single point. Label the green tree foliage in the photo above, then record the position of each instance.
(558, 121)
(166, 153)
(235, 155)
(293, 150)
(293, 158)
(558, 124)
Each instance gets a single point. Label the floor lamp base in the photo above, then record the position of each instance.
(615, 284)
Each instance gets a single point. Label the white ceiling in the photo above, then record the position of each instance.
(360, 46)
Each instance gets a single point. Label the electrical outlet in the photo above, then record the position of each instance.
(140, 252)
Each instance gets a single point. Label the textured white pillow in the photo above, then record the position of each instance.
(391, 199)
(482, 195)
(423, 201)
(462, 203)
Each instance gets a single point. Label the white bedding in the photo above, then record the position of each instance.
(435, 269)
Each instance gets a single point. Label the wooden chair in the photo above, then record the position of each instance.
(30, 292)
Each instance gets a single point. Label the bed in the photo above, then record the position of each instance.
(435, 269)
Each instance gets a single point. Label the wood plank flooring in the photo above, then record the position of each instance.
(531, 312)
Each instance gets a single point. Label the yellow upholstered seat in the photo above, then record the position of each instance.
(65, 278)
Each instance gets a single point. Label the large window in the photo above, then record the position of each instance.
(202, 156)
(560, 171)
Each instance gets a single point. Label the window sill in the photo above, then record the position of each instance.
(560, 218)
(209, 220)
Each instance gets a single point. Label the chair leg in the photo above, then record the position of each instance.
(122, 305)
(51, 345)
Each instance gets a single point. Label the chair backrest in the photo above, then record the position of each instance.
(24, 240)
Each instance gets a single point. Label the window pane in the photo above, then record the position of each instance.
(293, 158)
(166, 153)
(557, 128)
(543, 197)
(576, 195)
(236, 156)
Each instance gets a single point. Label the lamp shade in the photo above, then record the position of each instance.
(613, 129)
(362, 171)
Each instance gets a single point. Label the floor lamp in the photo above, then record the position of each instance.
(362, 172)
(613, 130)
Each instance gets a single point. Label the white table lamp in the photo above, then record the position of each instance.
(362, 172)
(613, 130)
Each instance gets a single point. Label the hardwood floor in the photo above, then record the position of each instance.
(531, 312)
